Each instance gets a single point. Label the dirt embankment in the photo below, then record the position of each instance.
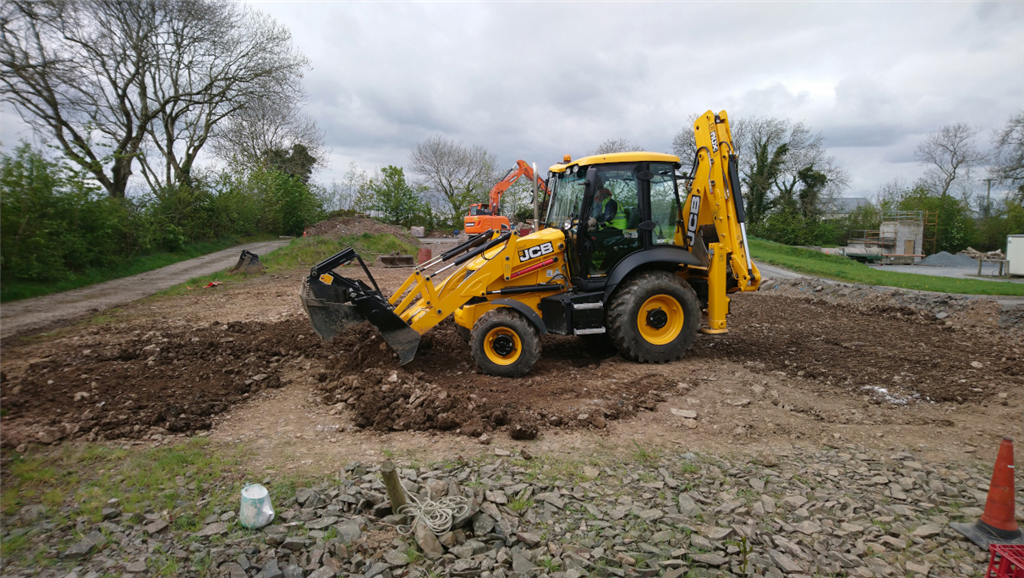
(348, 226)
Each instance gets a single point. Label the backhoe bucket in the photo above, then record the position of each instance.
(248, 263)
(335, 303)
(397, 260)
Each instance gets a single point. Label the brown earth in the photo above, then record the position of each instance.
(791, 368)
(347, 226)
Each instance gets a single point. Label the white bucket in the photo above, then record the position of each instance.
(256, 510)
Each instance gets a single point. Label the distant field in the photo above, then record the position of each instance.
(843, 269)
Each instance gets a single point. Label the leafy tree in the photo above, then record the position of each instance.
(53, 221)
(391, 197)
(296, 162)
(955, 227)
(783, 166)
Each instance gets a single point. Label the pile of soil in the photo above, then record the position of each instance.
(149, 382)
(347, 226)
(944, 259)
(442, 390)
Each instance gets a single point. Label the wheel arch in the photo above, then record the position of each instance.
(668, 258)
(528, 313)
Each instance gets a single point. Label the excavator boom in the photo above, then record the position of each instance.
(481, 219)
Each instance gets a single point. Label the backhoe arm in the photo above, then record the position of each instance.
(715, 199)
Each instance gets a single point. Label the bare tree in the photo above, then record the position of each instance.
(224, 58)
(1009, 155)
(683, 144)
(262, 125)
(458, 175)
(949, 156)
(616, 145)
(109, 79)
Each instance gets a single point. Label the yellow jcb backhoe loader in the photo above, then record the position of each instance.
(623, 253)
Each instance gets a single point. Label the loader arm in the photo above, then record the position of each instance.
(467, 272)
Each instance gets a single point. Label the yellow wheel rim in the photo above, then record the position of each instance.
(502, 346)
(660, 319)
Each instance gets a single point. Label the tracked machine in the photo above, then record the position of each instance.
(631, 249)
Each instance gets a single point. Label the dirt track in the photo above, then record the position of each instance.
(58, 308)
(793, 367)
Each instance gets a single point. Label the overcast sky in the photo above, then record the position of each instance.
(539, 80)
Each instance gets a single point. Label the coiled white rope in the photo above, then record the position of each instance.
(436, 516)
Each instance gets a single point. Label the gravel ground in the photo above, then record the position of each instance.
(845, 511)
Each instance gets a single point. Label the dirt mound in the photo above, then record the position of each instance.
(348, 226)
(157, 381)
(944, 259)
(442, 390)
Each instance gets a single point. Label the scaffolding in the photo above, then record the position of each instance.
(869, 238)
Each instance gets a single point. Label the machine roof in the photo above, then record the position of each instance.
(630, 157)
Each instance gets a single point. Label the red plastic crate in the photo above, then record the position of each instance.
(1007, 561)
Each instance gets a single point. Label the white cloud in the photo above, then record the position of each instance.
(539, 80)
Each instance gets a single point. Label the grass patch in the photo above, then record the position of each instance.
(844, 269)
(13, 289)
(304, 252)
(645, 455)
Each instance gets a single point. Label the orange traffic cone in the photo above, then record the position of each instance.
(998, 524)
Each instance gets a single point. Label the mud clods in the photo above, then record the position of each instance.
(441, 390)
(155, 381)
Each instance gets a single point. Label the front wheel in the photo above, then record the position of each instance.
(504, 343)
(654, 317)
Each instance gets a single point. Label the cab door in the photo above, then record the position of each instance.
(608, 227)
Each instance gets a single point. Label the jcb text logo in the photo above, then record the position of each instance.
(534, 252)
(691, 223)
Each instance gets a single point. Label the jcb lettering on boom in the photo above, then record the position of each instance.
(536, 251)
(691, 223)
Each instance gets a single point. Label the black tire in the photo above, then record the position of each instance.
(646, 344)
(501, 330)
(463, 332)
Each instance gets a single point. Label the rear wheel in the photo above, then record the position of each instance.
(503, 343)
(654, 317)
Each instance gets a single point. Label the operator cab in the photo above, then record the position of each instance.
(610, 207)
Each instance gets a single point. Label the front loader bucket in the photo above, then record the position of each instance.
(335, 303)
(248, 263)
(396, 260)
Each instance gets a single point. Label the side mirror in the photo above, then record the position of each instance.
(647, 226)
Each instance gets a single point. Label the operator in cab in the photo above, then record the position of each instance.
(606, 227)
(606, 213)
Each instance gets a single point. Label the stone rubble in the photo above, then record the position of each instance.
(833, 512)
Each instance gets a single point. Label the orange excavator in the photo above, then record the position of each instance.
(487, 216)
